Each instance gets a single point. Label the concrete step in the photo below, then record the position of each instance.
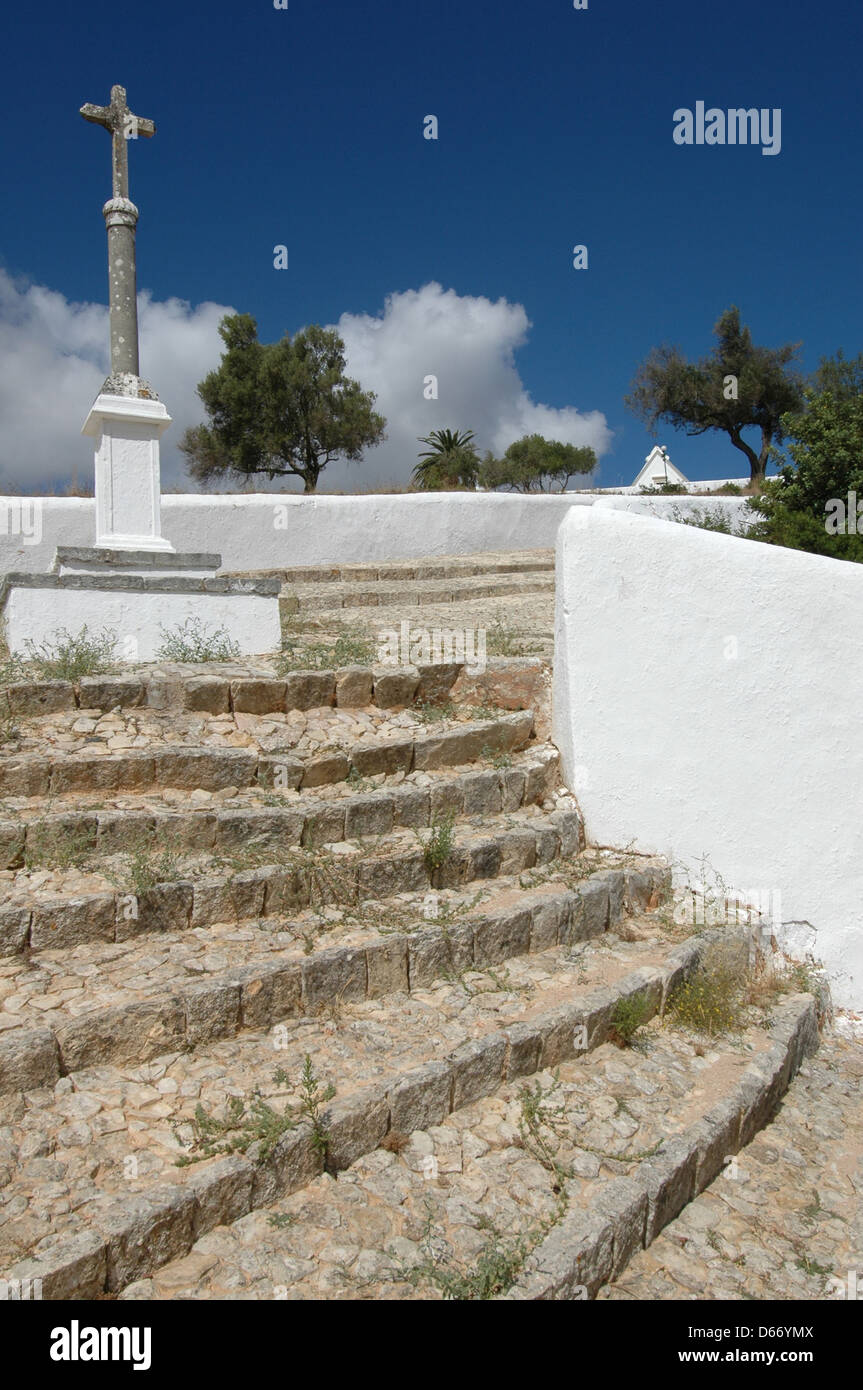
(104, 1184)
(540, 1187)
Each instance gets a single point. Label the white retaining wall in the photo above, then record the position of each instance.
(706, 700)
(265, 531)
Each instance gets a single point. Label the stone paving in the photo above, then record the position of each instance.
(785, 1220)
(440, 1002)
(425, 1217)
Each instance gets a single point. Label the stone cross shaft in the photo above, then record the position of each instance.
(121, 215)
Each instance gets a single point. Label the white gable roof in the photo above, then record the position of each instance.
(659, 469)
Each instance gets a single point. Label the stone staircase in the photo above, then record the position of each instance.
(311, 988)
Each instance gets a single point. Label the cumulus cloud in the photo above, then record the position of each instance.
(54, 358)
(469, 344)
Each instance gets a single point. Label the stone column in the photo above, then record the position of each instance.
(121, 215)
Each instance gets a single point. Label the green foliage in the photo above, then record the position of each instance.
(629, 1015)
(193, 640)
(450, 461)
(712, 999)
(691, 396)
(281, 409)
(428, 713)
(826, 453)
(535, 464)
(256, 1122)
(71, 655)
(497, 1266)
(57, 846)
(347, 650)
(438, 847)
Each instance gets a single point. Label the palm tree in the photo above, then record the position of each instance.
(450, 461)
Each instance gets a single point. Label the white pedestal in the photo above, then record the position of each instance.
(127, 430)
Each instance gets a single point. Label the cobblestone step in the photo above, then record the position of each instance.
(56, 773)
(94, 1197)
(257, 688)
(320, 598)
(254, 818)
(133, 1001)
(343, 873)
(786, 1220)
(442, 567)
(548, 1185)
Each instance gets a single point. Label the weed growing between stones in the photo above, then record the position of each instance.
(146, 863)
(428, 713)
(497, 1266)
(195, 641)
(255, 1122)
(438, 846)
(498, 761)
(57, 846)
(70, 655)
(508, 641)
(346, 650)
(713, 998)
(628, 1017)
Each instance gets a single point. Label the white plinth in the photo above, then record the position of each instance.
(127, 430)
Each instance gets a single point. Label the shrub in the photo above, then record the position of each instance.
(194, 641)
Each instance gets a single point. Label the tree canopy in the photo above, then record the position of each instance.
(536, 464)
(450, 461)
(736, 386)
(806, 507)
(282, 409)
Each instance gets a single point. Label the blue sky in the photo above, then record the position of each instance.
(304, 127)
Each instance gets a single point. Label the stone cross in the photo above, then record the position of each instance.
(121, 215)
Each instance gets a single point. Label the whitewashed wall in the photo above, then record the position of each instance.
(706, 702)
(265, 531)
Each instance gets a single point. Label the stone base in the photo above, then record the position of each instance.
(136, 608)
(127, 430)
(79, 559)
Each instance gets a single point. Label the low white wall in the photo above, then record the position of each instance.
(266, 530)
(706, 699)
(138, 619)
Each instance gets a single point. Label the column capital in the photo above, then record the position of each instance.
(120, 212)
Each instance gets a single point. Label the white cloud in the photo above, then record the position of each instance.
(469, 344)
(54, 357)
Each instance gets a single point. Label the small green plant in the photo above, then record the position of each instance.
(542, 1129)
(282, 1220)
(438, 847)
(503, 641)
(312, 1100)
(256, 1122)
(70, 655)
(146, 863)
(428, 713)
(57, 846)
(712, 999)
(629, 1016)
(194, 641)
(9, 731)
(498, 1264)
(347, 650)
(499, 760)
(812, 1267)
